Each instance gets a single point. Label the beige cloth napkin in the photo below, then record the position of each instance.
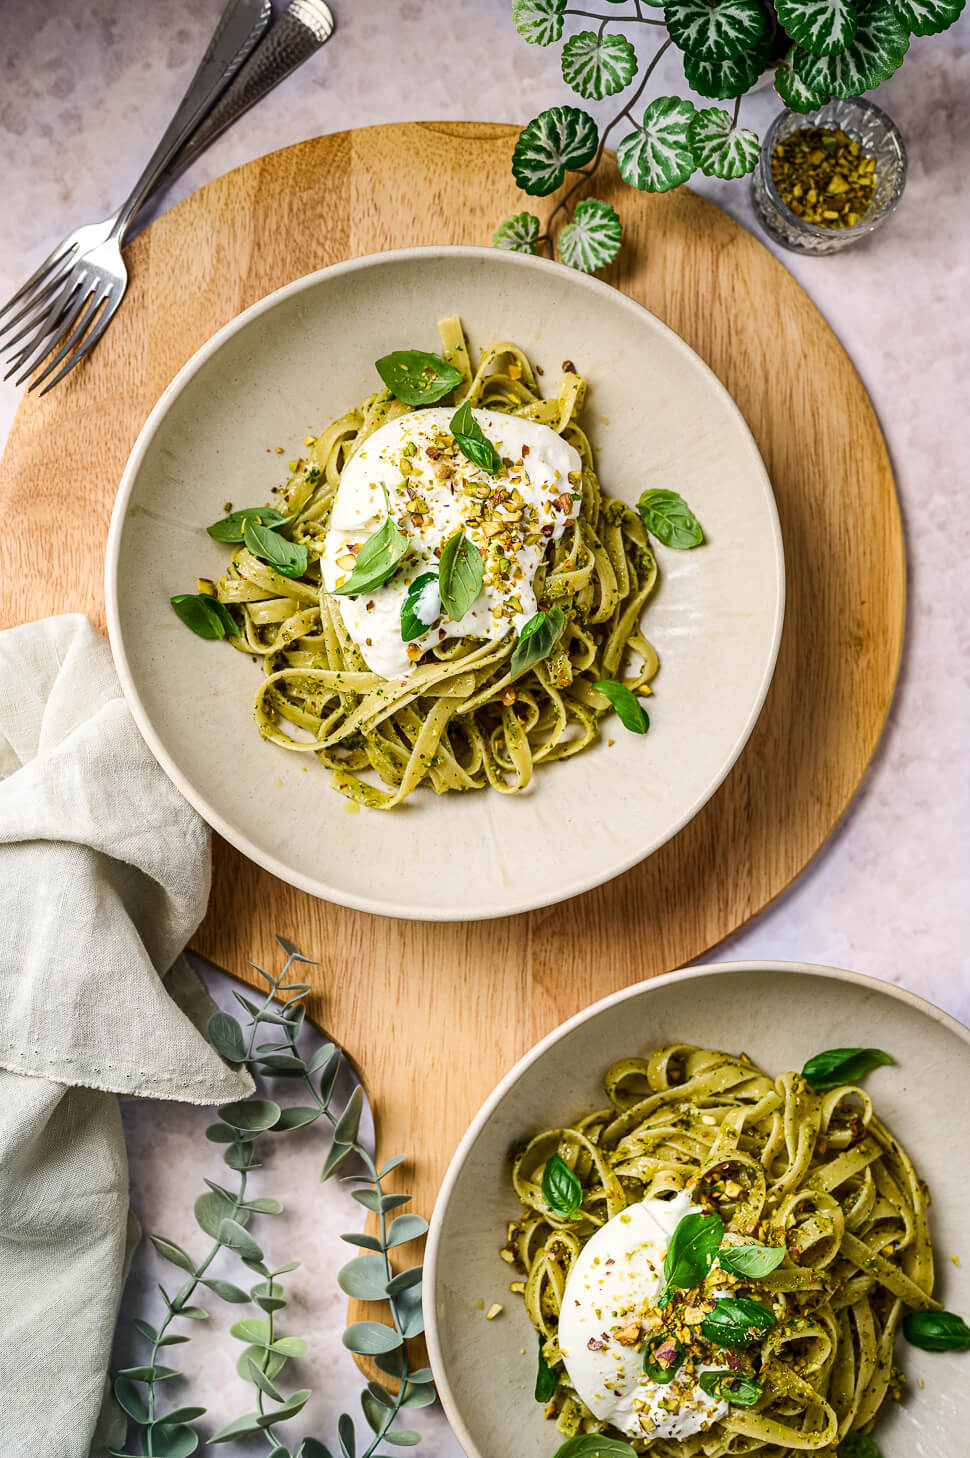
(104, 876)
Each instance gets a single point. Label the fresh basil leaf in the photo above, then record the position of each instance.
(547, 1378)
(667, 515)
(377, 560)
(658, 1371)
(289, 559)
(411, 625)
(231, 527)
(461, 573)
(837, 1066)
(630, 712)
(417, 378)
(594, 1445)
(729, 1387)
(752, 1261)
(537, 640)
(736, 1321)
(205, 615)
(561, 1189)
(472, 440)
(936, 1331)
(858, 1445)
(691, 1253)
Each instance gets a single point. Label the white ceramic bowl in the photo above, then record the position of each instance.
(778, 1013)
(656, 415)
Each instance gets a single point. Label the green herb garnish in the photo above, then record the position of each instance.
(377, 560)
(838, 1066)
(594, 1445)
(936, 1331)
(561, 1189)
(461, 573)
(667, 515)
(691, 1253)
(289, 559)
(472, 440)
(411, 625)
(658, 1371)
(231, 527)
(205, 615)
(537, 640)
(547, 1378)
(630, 712)
(858, 1445)
(752, 1261)
(729, 1387)
(417, 378)
(736, 1321)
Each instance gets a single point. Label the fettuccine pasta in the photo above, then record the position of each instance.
(817, 1175)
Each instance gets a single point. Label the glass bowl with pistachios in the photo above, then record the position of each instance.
(829, 177)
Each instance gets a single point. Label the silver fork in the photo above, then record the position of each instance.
(69, 302)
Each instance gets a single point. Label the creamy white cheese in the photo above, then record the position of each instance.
(618, 1271)
(434, 491)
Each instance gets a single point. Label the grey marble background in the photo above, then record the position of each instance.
(85, 92)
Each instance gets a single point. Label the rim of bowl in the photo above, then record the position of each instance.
(375, 905)
(708, 969)
(870, 221)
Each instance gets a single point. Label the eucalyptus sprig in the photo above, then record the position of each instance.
(225, 1214)
(820, 49)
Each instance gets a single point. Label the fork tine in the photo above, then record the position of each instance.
(110, 309)
(45, 319)
(86, 319)
(63, 250)
(34, 303)
(51, 330)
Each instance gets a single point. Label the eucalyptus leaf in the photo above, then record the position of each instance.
(476, 446)
(312, 1448)
(174, 1442)
(517, 234)
(402, 1437)
(252, 1331)
(364, 1278)
(667, 515)
(322, 1057)
(226, 1036)
(264, 1205)
(289, 1346)
(561, 1188)
(390, 1164)
(630, 712)
(377, 561)
(131, 1399)
(537, 640)
(212, 1209)
(418, 1394)
(232, 1234)
(345, 1432)
(231, 527)
(367, 1337)
(225, 1290)
(598, 64)
(338, 1154)
(193, 1313)
(838, 1066)
(405, 1228)
(173, 1253)
(293, 1404)
(461, 571)
(658, 155)
(281, 1064)
(418, 378)
(251, 1115)
(381, 1395)
(346, 1127)
(591, 239)
(289, 559)
(181, 1415)
(270, 1363)
(559, 139)
(373, 1411)
(144, 1329)
(367, 1242)
(404, 1281)
(410, 1312)
(250, 1422)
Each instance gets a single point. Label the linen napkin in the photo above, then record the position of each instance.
(104, 875)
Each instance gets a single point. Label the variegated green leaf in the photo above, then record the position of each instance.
(658, 155)
(928, 17)
(556, 140)
(720, 148)
(821, 26)
(592, 239)
(716, 31)
(598, 65)
(517, 234)
(721, 79)
(877, 50)
(793, 91)
(539, 21)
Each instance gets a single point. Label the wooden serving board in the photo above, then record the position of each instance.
(435, 1014)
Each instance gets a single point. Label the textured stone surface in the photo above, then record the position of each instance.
(85, 92)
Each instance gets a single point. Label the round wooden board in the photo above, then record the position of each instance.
(434, 1014)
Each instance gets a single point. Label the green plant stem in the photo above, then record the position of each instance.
(623, 19)
(586, 173)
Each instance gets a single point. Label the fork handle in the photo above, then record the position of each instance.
(242, 24)
(300, 30)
